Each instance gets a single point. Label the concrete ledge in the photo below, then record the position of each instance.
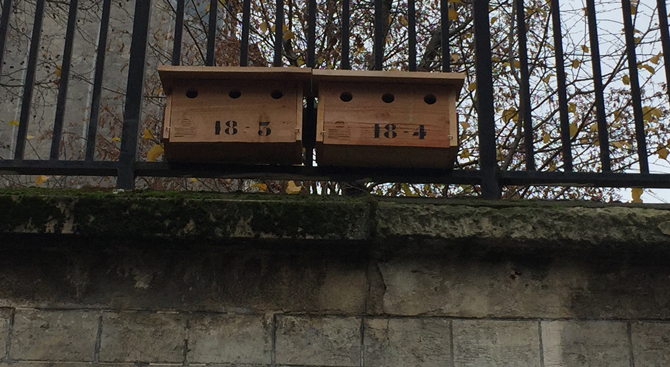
(525, 224)
(185, 216)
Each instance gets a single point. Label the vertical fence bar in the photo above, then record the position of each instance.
(279, 33)
(64, 80)
(411, 32)
(178, 31)
(309, 120)
(487, 138)
(562, 89)
(603, 136)
(444, 34)
(345, 34)
(524, 92)
(4, 27)
(134, 91)
(311, 34)
(635, 87)
(97, 81)
(379, 36)
(211, 32)
(244, 43)
(26, 100)
(665, 39)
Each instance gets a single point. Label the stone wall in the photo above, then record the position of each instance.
(299, 281)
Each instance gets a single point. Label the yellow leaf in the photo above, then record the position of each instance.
(456, 1)
(116, 138)
(649, 113)
(654, 60)
(28, 137)
(510, 114)
(573, 129)
(13, 123)
(633, 9)
(617, 144)
(576, 63)
(292, 188)
(159, 91)
(636, 193)
(663, 152)
(40, 179)
(465, 125)
(453, 15)
(517, 64)
(147, 134)
(455, 57)
(547, 78)
(288, 35)
(572, 107)
(58, 71)
(493, 19)
(207, 8)
(406, 189)
(546, 138)
(263, 27)
(154, 153)
(594, 127)
(222, 2)
(260, 186)
(465, 153)
(403, 20)
(649, 68)
(626, 79)
(300, 61)
(193, 179)
(584, 48)
(472, 86)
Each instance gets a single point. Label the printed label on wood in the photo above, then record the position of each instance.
(235, 111)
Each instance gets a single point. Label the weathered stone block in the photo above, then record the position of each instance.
(318, 341)
(407, 342)
(451, 286)
(54, 335)
(519, 285)
(5, 318)
(143, 336)
(491, 343)
(651, 344)
(191, 216)
(585, 343)
(229, 339)
(578, 225)
(199, 280)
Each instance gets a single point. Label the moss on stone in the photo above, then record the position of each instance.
(195, 216)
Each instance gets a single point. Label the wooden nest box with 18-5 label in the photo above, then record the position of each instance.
(233, 114)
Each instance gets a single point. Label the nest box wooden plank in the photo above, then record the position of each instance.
(387, 118)
(233, 114)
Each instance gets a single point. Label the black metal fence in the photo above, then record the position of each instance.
(488, 173)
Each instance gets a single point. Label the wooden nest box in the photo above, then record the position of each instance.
(387, 118)
(233, 114)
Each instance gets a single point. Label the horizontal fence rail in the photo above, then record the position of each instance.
(212, 30)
